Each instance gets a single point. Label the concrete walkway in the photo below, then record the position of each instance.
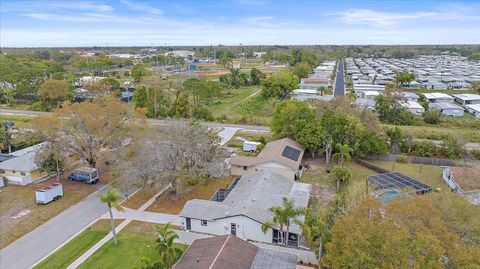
(120, 227)
(130, 214)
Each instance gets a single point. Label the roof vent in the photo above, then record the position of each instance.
(227, 213)
(265, 177)
(253, 199)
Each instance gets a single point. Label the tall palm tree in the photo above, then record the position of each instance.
(168, 251)
(343, 153)
(283, 216)
(112, 198)
(322, 90)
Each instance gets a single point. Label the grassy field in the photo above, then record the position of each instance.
(168, 203)
(439, 133)
(20, 122)
(133, 244)
(76, 247)
(428, 174)
(139, 198)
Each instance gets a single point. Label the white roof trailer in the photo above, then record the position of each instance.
(49, 193)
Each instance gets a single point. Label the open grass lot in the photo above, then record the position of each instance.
(77, 246)
(438, 133)
(225, 104)
(133, 244)
(428, 174)
(20, 214)
(20, 122)
(168, 203)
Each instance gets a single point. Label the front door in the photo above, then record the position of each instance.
(189, 223)
(233, 229)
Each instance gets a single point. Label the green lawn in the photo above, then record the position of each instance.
(76, 247)
(225, 104)
(127, 254)
(21, 122)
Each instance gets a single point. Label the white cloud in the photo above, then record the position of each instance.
(383, 18)
(142, 7)
(261, 21)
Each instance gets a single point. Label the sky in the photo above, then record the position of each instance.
(73, 23)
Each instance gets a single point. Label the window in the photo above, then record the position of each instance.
(13, 171)
(23, 173)
(204, 222)
(245, 168)
(2, 171)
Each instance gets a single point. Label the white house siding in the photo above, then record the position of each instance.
(19, 180)
(246, 228)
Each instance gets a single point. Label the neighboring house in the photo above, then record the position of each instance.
(360, 88)
(438, 97)
(21, 169)
(307, 94)
(243, 209)
(413, 107)
(448, 109)
(467, 99)
(230, 252)
(474, 110)
(282, 157)
(363, 103)
(463, 180)
(408, 96)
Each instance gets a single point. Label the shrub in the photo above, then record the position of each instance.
(432, 116)
(402, 158)
(476, 154)
(425, 148)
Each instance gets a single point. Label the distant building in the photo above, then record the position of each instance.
(230, 252)
(244, 208)
(307, 94)
(180, 53)
(467, 98)
(474, 110)
(359, 89)
(438, 97)
(448, 109)
(413, 107)
(408, 96)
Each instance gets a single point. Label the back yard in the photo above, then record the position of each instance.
(173, 204)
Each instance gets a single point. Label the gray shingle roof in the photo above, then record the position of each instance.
(252, 197)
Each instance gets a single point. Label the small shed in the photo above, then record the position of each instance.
(250, 146)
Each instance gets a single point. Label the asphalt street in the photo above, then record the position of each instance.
(339, 81)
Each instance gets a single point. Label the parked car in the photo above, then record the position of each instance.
(86, 175)
(49, 193)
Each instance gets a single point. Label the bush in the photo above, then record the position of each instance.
(204, 114)
(476, 154)
(402, 159)
(38, 106)
(451, 149)
(425, 148)
(432, 116)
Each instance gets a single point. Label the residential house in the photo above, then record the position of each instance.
(463, 180)
(474, 110)
(282, 157)
(467, 98)
(438, 97)
(230, 252)
(21, 169)
(413, 107)
(308, 94)
(244, 208)
(448, 109)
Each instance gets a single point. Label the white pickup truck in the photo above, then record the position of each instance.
(49, 193)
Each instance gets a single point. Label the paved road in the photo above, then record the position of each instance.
(14, 112)
(339, 82)
(227, 134)
(30, 248)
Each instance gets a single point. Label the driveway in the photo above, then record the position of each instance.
(227, 134)
(32, 247)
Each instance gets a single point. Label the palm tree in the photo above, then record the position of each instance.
(342, 174)
(111, 198)
(343, 153)
(168, 251)
(283, 216)
(322, 90)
